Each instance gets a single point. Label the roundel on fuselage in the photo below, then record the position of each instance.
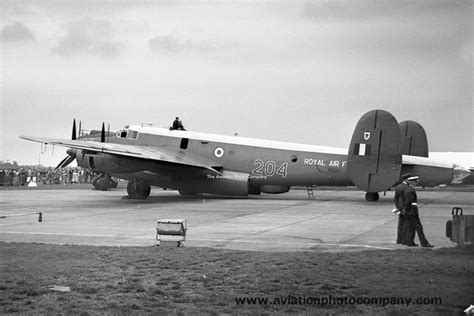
(219, 152)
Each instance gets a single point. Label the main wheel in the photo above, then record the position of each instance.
(372, 196)
(137, 189)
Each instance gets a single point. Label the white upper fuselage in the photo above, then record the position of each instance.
(236, 140)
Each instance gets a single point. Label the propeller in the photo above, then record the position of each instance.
(67, 160)
(71, 152)
(102, 133)
(74, 134)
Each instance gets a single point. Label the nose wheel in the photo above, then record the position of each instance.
(138, 189)
(372, 196)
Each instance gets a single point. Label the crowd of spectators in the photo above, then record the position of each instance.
(23, 176)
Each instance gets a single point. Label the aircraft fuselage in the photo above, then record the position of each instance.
(269, 166)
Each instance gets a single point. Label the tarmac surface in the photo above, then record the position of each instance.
(336, 220)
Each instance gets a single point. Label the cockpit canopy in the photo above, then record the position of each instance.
(127, 133)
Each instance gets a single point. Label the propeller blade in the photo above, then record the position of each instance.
(102, 134)
(80, 130)
(66, 161)
(74, 135)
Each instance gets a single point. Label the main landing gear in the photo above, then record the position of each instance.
(372, 196)
(138, 189)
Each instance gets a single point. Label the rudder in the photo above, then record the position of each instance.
(375, 157)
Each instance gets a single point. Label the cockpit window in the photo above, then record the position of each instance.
(132, 134)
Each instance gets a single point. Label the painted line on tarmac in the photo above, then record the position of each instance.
(322, 245)
(356, 246)
(71, 234)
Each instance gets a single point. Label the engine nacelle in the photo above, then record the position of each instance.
(110, 163)
(230, 183)
(274, 189)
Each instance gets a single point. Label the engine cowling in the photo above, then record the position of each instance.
(110, 163)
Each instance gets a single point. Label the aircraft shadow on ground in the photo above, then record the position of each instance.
(169, 199)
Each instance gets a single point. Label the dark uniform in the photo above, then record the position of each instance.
(411, 209)
(399, 201)
(177, 125)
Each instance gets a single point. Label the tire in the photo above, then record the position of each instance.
(139, 190)
(372, 196)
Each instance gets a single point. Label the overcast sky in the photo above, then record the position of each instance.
(298, 71)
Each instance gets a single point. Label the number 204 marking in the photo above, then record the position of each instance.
(269, 168)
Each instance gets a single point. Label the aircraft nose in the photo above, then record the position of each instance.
(459, 174)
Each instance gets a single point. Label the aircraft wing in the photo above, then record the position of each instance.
(158, 154)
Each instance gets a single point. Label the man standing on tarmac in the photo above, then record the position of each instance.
(399, 201)
(411, 210)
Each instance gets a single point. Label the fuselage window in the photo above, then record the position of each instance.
(184, 143)
(132, 134)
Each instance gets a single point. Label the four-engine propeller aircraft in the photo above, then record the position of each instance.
(380, 152)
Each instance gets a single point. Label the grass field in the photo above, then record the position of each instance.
(167, 279)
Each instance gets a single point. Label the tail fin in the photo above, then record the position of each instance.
(375, 157)
(414, 140)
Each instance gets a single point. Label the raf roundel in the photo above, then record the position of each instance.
(219, 152)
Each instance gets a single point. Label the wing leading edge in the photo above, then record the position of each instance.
(143, 152)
